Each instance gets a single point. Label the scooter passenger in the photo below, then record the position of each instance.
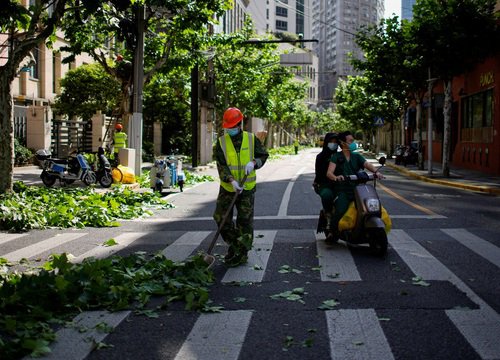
(321, 184)
(344, 163)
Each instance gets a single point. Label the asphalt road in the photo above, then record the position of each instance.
(436, 295)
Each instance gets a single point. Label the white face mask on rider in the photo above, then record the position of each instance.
(332, 146)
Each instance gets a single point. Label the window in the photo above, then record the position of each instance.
(35, 72)
(281, 11)
(477, 110)
(281, 25)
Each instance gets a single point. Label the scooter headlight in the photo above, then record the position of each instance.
(373, 205)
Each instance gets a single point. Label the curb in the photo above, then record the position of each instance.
(485, 189)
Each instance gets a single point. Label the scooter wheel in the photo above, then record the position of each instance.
(106, 180)
(89, 178)
(47, 179)
(378, 242)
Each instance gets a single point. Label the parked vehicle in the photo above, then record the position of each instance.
(366, 216)
(410, 155)
(103, 169)
(66, 170)
(400, 150)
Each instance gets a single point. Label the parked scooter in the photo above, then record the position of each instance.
(400, 150)
(410, 155)
(66, 170)
(103, 170)
(368, 225)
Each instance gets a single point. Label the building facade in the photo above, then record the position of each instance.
(334, 25)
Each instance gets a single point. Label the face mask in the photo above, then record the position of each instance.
(353, 146)
(233, 132)
(332, 146)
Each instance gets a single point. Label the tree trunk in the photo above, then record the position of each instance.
(419, 134)
(6, 135)
(447, 127)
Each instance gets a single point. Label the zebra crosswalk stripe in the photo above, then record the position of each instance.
(480, 246)
(479, 327)
(75, 342)
(335, 262)
(181, 248)
(356, 334)
(258, 257)
(5, 238)
(216, 336)
(102, 251)
(42, 246)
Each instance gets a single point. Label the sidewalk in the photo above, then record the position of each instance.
(459, 178)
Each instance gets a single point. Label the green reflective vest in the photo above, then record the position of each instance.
(120, 141)
(236, 161)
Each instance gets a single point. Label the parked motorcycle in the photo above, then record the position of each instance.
(368, 226)
(103, 170)
(66, 170)
(410, 155)
(400, 150)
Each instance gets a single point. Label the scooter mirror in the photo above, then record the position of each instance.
(381, 161)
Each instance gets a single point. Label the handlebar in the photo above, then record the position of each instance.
(361, 177)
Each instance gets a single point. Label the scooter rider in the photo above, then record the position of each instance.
(237, 153)
(322, 185)
(342, 164)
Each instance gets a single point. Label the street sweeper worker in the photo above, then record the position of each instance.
(119, 140)
(237, 153)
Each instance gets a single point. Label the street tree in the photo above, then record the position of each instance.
(26, 28)
(357, 104)
(451, 37)
(85, 90)
(389, 66)
(111, 32)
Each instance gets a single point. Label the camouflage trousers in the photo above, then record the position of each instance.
(239, 235)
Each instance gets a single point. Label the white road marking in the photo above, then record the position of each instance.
(356, 335)
(181, 248)
(286, 196)
(280, 217)
(479, 327)
(335, 261)
(480, 246)
(42, 246)
(216, 336)
(4, 238)
(77, 341)
(255, 268)
(102, 251)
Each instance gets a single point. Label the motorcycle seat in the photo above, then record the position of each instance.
(59, 161)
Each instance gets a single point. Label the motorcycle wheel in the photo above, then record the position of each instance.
(89, 178)
(378, 242)
(47, 179)
(158, 187)
(106, 180)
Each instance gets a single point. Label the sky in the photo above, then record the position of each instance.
(392, 6)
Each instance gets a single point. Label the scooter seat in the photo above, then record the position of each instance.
(59, 161)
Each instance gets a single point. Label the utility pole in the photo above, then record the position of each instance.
(194, 115)
(135, 128)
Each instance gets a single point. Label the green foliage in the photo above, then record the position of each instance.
(32, 302)
(22, 154)
(38, 207)
(148, 151)
(193, 178)
(85, 90)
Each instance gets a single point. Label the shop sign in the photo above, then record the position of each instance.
(486, 78)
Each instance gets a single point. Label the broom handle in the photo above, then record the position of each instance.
(224, 219)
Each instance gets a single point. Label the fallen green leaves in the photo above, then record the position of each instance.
(32, 302)
(291, 295)
(328, 304)
(31, 207)
(286, 269)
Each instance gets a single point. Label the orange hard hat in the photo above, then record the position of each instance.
(119, 127)
(231, 118)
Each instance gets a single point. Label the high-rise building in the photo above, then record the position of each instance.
(407, 9)
(334, 25)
